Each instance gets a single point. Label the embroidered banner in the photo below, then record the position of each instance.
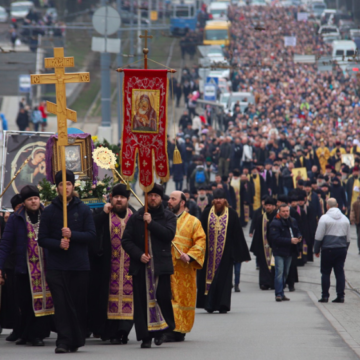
(217, 228)
(267, 249)
(42, 300)
(145, 126)
(120, 305)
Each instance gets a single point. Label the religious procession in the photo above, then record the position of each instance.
(194, 195)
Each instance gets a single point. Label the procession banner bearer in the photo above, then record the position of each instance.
(188, 254)
(111, 289)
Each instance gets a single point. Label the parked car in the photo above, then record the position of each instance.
(328, 30)
(342, 51)
(3, 15)
(20, 9)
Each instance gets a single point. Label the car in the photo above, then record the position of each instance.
(345, 26)
(329, 38)
(328, 30)
(3, 15)
(127, 15)
(354, 34)
(218, 10)
(20, 9)
(317, 8)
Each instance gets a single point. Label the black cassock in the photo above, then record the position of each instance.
(266, 276)
(293, 273)
(304, 230)
(235, 250)
(100, 260)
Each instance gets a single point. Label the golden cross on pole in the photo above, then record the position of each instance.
(145, 49)
(60, 79)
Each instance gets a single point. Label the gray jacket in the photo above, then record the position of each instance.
(333, 231)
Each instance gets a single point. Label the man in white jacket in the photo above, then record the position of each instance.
(333, 238)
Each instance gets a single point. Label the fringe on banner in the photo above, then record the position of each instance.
(177, 156)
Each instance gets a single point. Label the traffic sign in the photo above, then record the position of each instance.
(210, 88)
(24, 83)
(106, 20)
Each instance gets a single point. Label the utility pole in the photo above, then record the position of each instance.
(149, 15)
(105, 63)
(120, 75)
(131, 25)
(139, 30)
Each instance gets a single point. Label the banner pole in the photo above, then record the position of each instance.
(146, 230)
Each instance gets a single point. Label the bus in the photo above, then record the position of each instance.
(217, 32)
(183, 17)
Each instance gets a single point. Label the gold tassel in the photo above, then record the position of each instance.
(177, 156)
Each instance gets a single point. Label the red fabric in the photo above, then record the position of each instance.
(42, 110)
(148, 145)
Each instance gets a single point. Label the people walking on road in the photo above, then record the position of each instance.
(153, 312)
(332, 238)
(284, 237)
(67, 262)
(188, 254)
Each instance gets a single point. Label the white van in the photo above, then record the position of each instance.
(20, 9)
(218, 10)
(342, 51)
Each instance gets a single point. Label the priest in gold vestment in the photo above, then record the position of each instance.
(188, 254)
(323, 154)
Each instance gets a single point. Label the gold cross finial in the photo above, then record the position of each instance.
(146, 36)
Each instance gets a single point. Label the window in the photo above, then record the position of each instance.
(350, 53)
(184, 11)
(216, 35)
(339, 52)
(218, 11)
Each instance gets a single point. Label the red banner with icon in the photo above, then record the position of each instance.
(144, 135)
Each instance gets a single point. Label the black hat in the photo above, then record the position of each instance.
(301, 182)
(16, 200)
(302, 194)
(270, 201)
(346, 170)
(282, 198)
(186, 191)
(219, 194)
(236, 172)
(313, 181)
(293, 198)
(268, 162)
(157, 189)
(69, 177)
(335, 179)
(29, 191)
(264, 197)
(120, 189)
(307, 183)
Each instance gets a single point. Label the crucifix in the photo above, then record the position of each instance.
(145, 49)
(60, 79)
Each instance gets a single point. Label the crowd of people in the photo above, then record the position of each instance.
(34, 119)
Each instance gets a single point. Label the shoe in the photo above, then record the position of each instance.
(124, 340)
(20, 342)
(209, 311)
(73, 349)
(278, 298)
(237, 289)
(146, 344)
(159, 340)
(115, 341)
(222, 311)
(263, 287)
(37, 342)
(323, 300)
(292, 289)
(12, 337)
(339, 300)
(61, 349)
(284, 298)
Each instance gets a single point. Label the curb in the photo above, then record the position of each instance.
(349, 340)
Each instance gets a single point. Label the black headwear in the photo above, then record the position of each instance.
(69, 177)
(16, 200)
(301, 182)
(219, 194)
(29, 191)
(157, 189)
(307, 183)
(270, 201)
(236, 172)
(120, 189)
(282, 198)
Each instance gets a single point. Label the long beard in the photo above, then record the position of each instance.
(175, 209)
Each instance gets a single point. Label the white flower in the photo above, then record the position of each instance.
(40, 187)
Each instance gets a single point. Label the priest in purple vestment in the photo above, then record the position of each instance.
(226, 245)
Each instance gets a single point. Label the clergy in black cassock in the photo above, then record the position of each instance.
(153, 311)
(111, 290)
(260, 246)
(226, 245)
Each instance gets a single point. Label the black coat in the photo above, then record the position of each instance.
(280, 238)
(162, 230)
(83, 233)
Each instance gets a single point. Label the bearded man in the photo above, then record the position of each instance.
(203, 199)
(226, 245)
(67, 262)
(111, 290)
(153, 312)
(188, 254)
(33, 295)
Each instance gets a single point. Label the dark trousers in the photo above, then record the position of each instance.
(358, 235)
(179, 185)
(333, 259)
(32, 327)
(69, 290)
(237, 268)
